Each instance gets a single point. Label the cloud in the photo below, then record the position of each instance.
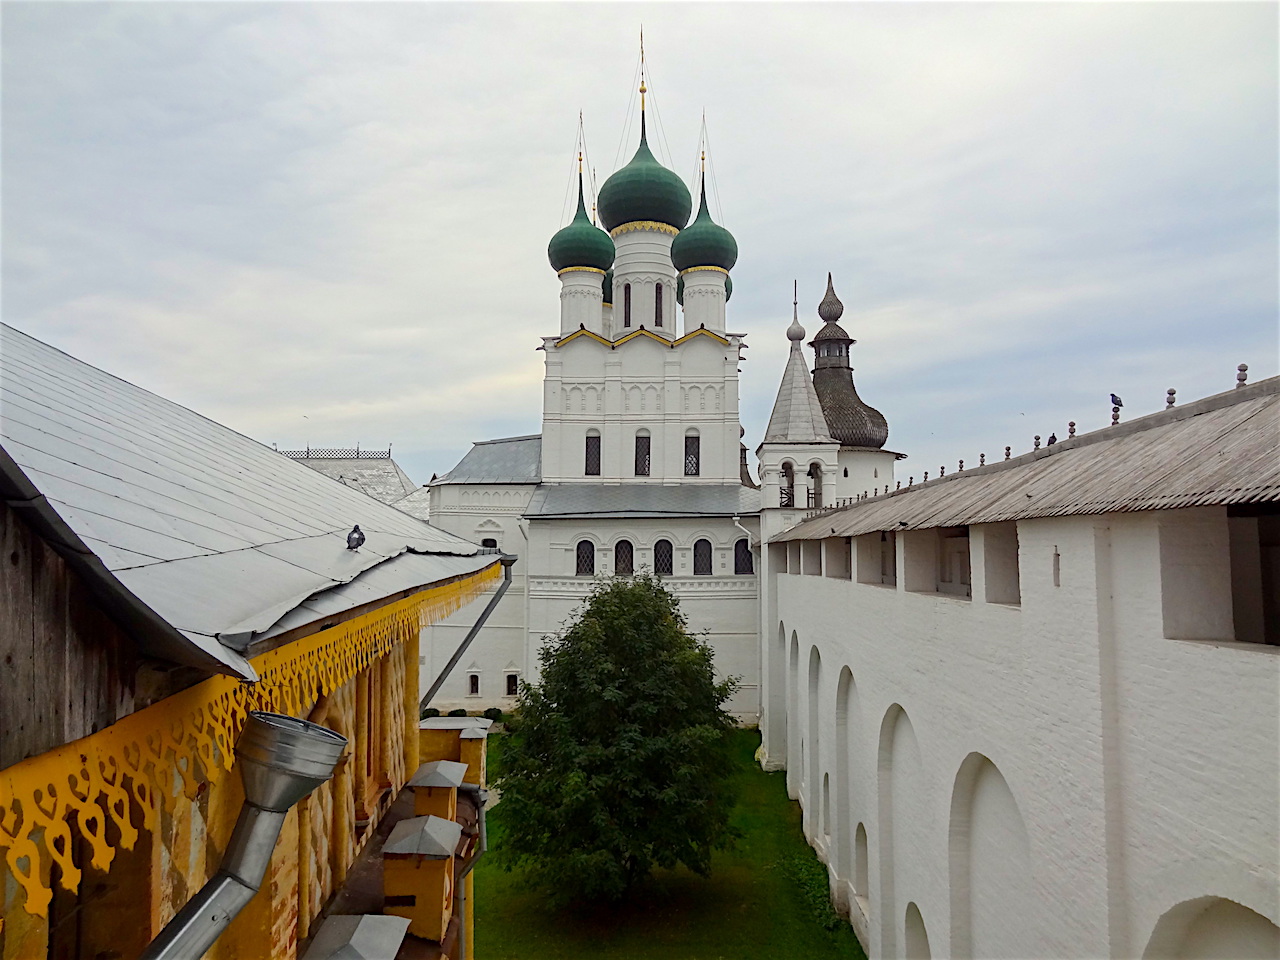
(339, 212)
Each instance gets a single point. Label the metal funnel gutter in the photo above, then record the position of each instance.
(508, 560)
(281, 760)
(481, 798)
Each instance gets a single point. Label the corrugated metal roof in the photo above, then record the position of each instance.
(1220, 450)
(509, 460)
(213, 532)
(642, 500)
(381, 479)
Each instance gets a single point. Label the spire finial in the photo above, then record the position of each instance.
(795, 332)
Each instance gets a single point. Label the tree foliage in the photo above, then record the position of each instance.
(621, 760)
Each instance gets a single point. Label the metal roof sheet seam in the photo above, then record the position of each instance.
(1218, 450)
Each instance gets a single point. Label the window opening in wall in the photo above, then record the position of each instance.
(624, 559)
(1253, 552)
(1057, 567)
(663, 557)
(953, 561)
(702, 558)
(473, 684)
(692, 456)
(815, 485)
(592, 465)
(888, 558)
(846, 471)
(1000, 562)
(643, 447)
(586, 560)
(743, 564)
(657, 305)
(787, 494)
(489, 542)
(513, 684)
(626, 304)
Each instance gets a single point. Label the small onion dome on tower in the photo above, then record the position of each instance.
(728, 289)
(580, 244)
(852, 421)
(644, 190)
(704, 243)
(608, 287)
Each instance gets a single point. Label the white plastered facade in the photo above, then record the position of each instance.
(1090, 771)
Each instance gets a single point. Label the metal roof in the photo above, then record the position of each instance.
(416, 504)
(1219, 450)
(201, 536)
(365, 936)
(509, 460)
(432, 837)
(643, 500)
(381, 479)
(797, 415)
(439, 773)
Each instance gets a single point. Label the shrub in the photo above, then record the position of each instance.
(428, 712)
(457, 713)
(492, 713)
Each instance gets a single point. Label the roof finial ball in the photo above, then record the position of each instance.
(830, 309)
(1242, 374)
(795, 332)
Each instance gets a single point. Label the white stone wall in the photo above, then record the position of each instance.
(723, 606)
(1056, 777)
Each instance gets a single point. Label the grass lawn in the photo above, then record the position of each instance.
(753, 906)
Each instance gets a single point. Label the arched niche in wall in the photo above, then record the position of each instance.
(813, 751)
(794, 767)
(1213, 928)
(992, 903)
(900, 788)
(915, 938)
(848, 734)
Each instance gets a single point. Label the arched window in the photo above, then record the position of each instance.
(787, 493)
(592, 465)
(662, 558)
(743, 565)
(643, 447)
(626, 304)
(815, 485)
(657, 305)
(692, 455)
(624, 558)
(489, 542)
(586, 566)
(702, 558)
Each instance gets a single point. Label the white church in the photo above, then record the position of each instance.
(1030, 709)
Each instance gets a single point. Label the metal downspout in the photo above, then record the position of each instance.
(507, 560)
(281, 760)
(481, 798)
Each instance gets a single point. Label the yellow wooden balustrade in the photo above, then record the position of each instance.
(193, 733)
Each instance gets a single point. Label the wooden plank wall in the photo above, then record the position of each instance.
(66, 669)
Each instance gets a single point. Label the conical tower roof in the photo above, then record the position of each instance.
(797, 413)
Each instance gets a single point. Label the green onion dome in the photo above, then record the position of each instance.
(608, 286)
(704, 243)
(644, 190)
(581, 243)
(728, 288)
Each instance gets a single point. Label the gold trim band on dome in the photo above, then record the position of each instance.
(635, 225)
(696, 269)
(189, 737)
(580, 270)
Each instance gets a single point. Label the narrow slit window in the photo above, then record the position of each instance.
(743, 564)
(662, 558)
(473, 685)
(586, 560)
(592, 465)
(692, 456)
(657, 305)
(643, 447)
(626, 304)
(702, 558)
(624, 559)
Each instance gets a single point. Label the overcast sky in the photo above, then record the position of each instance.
(327, 222)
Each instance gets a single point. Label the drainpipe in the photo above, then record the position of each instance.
(508, 560)
(281, 760)
(481, 797)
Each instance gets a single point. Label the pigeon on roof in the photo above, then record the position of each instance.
(1115, 401)
(355, 538)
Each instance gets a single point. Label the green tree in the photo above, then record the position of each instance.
(621, 760)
